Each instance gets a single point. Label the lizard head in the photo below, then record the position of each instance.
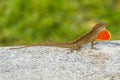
(101, 32)
(99, 27)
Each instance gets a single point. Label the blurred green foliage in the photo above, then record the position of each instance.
(34, 21)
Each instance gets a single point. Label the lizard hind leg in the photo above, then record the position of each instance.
(74, 48)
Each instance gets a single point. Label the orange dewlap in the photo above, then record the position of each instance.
(104, 35)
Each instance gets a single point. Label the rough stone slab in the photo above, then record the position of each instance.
(51, 63)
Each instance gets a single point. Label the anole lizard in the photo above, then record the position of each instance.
(89, 37)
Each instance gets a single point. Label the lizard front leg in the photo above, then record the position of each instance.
(92, 45)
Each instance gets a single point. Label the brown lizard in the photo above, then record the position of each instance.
(89, 37)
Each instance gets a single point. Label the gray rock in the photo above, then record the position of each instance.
(53, 63)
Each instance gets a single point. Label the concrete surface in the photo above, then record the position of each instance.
(53, 63)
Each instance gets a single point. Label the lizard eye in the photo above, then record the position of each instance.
(91, 31)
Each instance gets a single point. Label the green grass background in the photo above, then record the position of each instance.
(34, 21)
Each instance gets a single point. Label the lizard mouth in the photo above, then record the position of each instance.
(104, 35)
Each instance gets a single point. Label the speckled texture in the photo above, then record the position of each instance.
(51, 63)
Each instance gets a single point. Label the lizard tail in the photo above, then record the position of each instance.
(65, 45)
